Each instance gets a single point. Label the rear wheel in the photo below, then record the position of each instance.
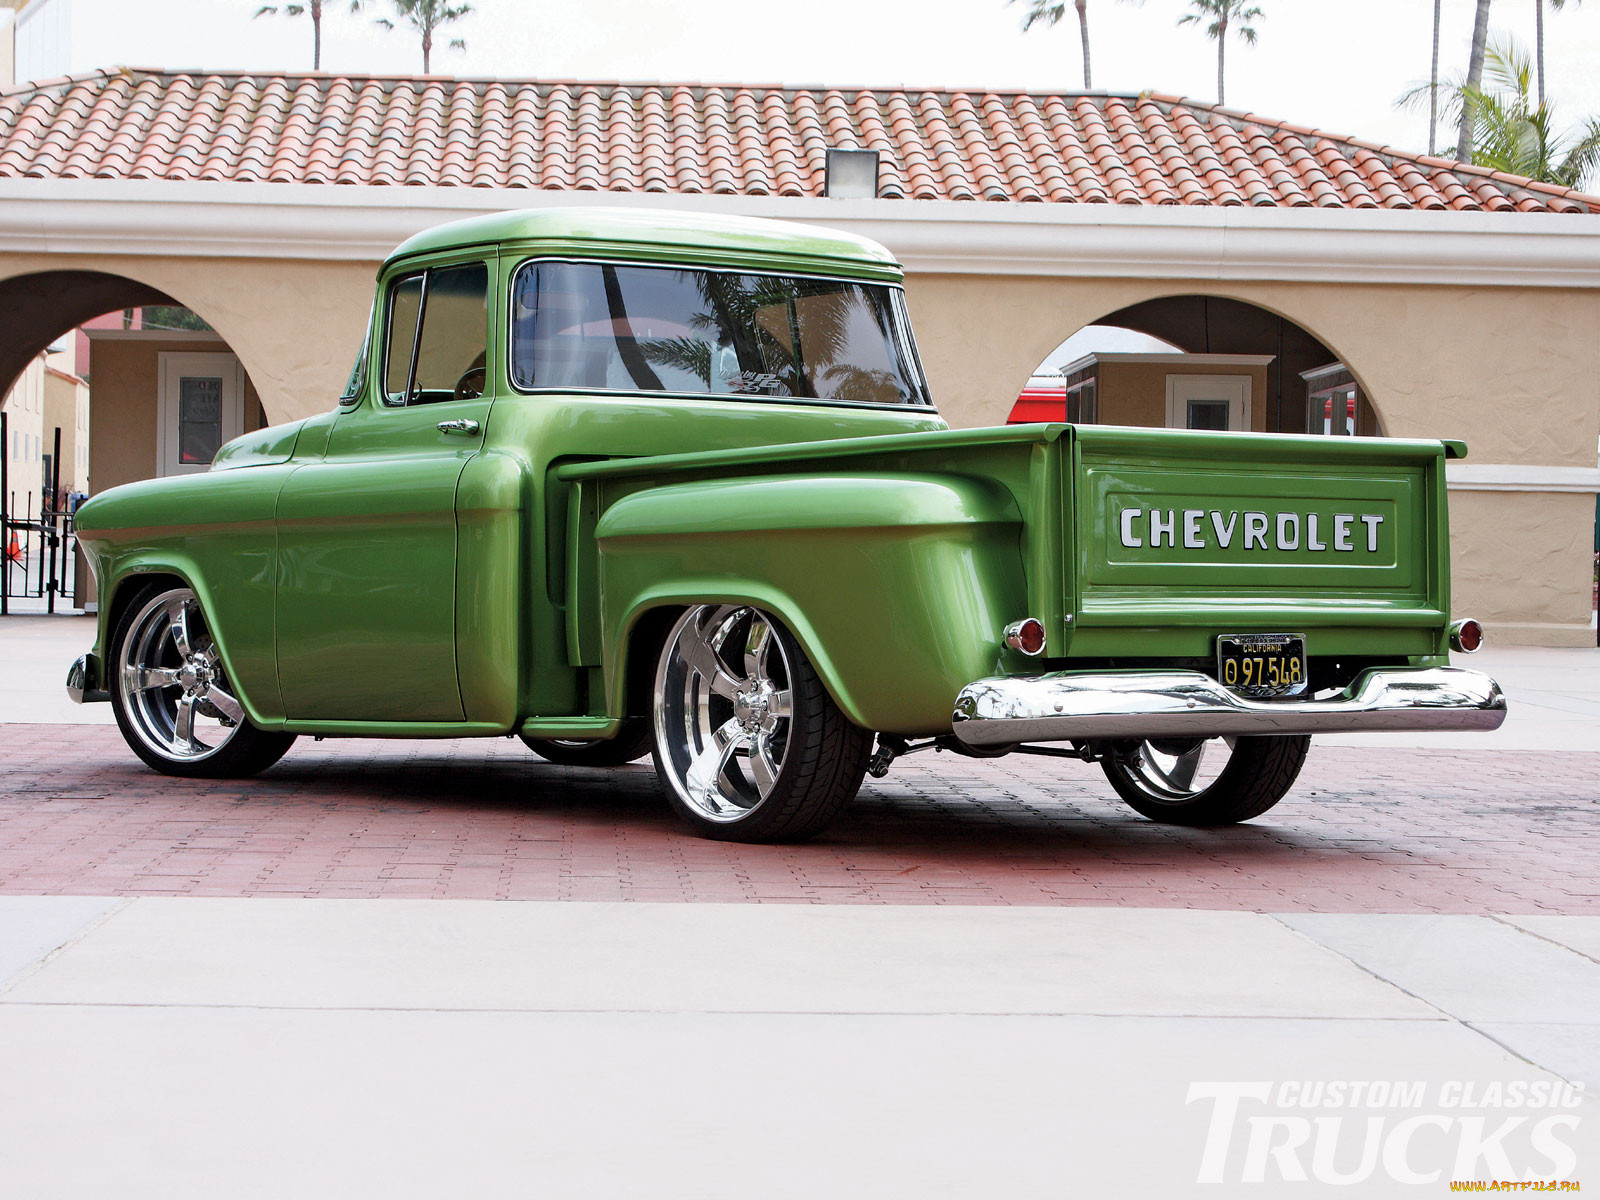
(1206, 781)
(749, 744)
(633, 742)
(172, 698)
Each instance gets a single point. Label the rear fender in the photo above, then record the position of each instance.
(897, 586)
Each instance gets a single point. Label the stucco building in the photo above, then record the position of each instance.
(48, 395)
(1458, 302)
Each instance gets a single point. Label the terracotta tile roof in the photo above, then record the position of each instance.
(935, 145)
(58, 373)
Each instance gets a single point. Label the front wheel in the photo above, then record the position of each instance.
(1206, 781)
(173, 701)
(750, 746)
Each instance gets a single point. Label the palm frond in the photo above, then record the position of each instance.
(1513, 131)
(1041, 12)
(1582, 159)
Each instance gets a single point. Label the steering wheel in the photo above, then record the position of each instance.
(470, 386)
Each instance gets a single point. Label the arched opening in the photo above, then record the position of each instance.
(106, 380)
(1200, 362)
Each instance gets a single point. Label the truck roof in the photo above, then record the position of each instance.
(664, 235)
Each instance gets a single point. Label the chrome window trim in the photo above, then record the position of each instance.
(381, 379)
(357, 382)
(925, 402)
(390, 288)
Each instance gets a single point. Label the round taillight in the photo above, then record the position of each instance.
(1466, 636)
(1026, 636)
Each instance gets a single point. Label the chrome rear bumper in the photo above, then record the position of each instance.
(1067, 706)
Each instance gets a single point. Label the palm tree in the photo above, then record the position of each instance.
(1433, 84)
(314, 7)
(1219, 16)
(1480, 39)
(1049, 14)
(1514, 131)
(1538, 39)
(425, 16)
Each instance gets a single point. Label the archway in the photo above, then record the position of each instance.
(94, 394)
(37, 309)
(1200, 361)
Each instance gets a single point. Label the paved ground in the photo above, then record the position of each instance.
(1451, 823)
(203, 1048)
(1423, 830)
(871, 1031)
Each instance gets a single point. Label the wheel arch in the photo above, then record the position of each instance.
(133, 578)
(125, 591)
(641, 647)
(631, 676)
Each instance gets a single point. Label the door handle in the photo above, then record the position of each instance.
(461, 425)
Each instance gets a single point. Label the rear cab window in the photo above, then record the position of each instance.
(589, 326)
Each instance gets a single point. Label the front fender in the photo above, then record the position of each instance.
(215, 531)
(897, 586)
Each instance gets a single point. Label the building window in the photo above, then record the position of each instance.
(1083, 406)
(1335, 405)
(199, 419)
(1332, 411)
(1208, 414)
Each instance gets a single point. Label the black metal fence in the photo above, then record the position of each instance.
(37, 538)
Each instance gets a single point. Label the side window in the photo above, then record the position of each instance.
(405, 306)
(438, 336)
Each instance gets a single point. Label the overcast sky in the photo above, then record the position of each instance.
(1335, 65)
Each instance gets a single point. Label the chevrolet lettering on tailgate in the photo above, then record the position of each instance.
(1198, 528)
(630, 484)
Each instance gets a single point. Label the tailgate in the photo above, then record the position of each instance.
(1183, 535)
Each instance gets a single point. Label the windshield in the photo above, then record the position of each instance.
(358, 373)
(595, 326)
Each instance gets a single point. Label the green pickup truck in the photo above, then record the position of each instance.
(628, 483)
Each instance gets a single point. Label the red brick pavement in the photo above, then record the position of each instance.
(1365, 830)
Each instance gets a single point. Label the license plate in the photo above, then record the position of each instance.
(1262, 666)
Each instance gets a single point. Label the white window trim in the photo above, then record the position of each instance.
(224, 364)
(1176, 415)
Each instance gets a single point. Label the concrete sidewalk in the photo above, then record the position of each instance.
(199, 1048)
(1554, 693)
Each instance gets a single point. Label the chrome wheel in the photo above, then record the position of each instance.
(1206, 782)
(1175, 771)
(173, 689)
(724, 708)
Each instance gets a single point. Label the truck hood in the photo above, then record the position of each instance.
(275, 444)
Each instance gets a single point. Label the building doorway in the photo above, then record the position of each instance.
(1220, 403)
(200, 405)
